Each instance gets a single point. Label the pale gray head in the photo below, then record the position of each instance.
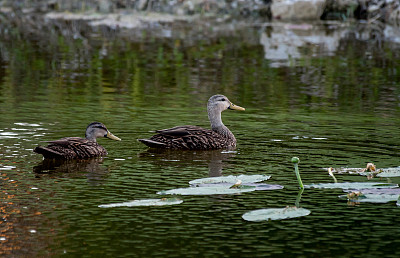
(96, 129)
(221, 103)
(216, 104)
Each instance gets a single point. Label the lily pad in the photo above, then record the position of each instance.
(353, 185)
(231, 179)
(148, 202)
(275, 214)
(209, 190)
(373, 198)
(389, 172)
(258, 186)
(389, 191)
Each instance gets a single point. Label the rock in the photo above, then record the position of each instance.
(297, 9)
(394, 17)
(142, 5)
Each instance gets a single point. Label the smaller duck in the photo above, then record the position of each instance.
(77, 147)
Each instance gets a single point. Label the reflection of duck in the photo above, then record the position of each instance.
(191, 137)
(71, 168)
(76, 147)
(215, 159)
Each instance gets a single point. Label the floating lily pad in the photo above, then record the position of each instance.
(230, 179)
(275, 214)
(373, 195)
(373, 198)
(389, 172)
(353, 185)
(379, 191)
(148, 202)
(258, 186)
(210, 190)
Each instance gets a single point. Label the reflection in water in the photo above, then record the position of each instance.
(334, 101)
(22, 218)
(52, 167)
(216, 159)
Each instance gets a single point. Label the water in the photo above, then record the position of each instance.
(333, 104)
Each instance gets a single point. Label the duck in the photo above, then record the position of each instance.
(76, 147)
(190, 137)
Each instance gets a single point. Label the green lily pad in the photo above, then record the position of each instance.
(389, 172)
(275, 214)
(373, 198)
(209, 190)
(148, 202)
(230, 179)
(258, 186)
(387, 191)
(353, 185)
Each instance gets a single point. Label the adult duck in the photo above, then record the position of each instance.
(76, 147)
(189, 137)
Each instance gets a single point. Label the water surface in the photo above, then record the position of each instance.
(329, 104)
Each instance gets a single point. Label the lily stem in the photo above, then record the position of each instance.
(296, 161)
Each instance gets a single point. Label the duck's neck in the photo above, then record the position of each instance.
(90, 137)
(216, 123)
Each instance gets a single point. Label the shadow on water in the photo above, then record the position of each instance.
(52, 168)
(217, 160)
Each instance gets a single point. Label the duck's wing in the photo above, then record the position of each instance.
(183, 130)
(71, 148)
(187, 137)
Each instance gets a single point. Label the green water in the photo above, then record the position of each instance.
(336, 110)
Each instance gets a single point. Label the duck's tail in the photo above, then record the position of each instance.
(152, 144)
(48, 153)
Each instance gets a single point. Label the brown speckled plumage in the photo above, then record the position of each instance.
(191, 137)
(76, 147)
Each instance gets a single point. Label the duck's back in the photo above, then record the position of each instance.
(71, 148)
(189, 137)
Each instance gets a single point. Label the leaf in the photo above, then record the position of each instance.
(148, 202)
(353, 185)
(373, 198)
(258, 186)
(231, 179)
(209, 190)
(390, 191)
(275, 214)
(389, 172)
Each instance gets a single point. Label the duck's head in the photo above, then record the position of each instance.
(96, 130)
(221, 103)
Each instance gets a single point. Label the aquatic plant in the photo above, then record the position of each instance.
(281, 213)
(224, 185)
(296, 161)
(145, 202)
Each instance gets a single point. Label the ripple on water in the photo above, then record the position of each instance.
(7, 167)
(26, 124)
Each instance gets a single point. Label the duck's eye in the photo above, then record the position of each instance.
(222, 100)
